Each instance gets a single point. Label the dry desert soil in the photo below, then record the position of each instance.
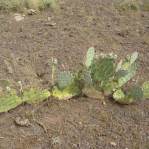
(80, 123)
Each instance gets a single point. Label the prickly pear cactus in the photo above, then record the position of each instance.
(126, 69)
(136, 93)
(68, 86)
(109, 87)
(89, 57)
(87, 78)
(64, 79)
(119, 96)
(9, 101)
(102, 69)
(145, 88)
(66, 93)
(35, 95)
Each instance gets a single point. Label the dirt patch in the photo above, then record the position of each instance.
(79, 123)
(26, 48)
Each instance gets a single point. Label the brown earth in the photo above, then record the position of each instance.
(26, 48)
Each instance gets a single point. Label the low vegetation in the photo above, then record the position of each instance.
(145, 5)
(10, 99)
(21, 5)
(104, 75)
(132, 5)
(99, 74)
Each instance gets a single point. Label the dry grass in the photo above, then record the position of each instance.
(132, 5)
(20, 5)
(145, 5)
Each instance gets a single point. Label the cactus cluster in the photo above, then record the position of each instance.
(100, 76)
(110, 77)
(106, 76)
(11, 99)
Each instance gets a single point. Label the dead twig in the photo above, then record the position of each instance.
(42, 126)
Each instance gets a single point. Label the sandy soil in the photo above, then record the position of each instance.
(26, 48)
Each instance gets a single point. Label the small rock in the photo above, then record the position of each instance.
(49, 18)
(31, 12)
(113, 143)
(56, 140)
(50, 24)
(80, 123)
(18, 17)
(104, 103)
(23, 122)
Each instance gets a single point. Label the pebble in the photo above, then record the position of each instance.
(23, 122)
(31, 12)
(18, 17)
(113, 143)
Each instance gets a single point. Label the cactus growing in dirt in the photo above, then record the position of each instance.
(64, 79)
(102, 71)
(89, 57)
(32, 96)
(68, 86)
(145, 88)
(126, 69)
(110, 78)
(97, 76)
(134, 94)
(9, 101)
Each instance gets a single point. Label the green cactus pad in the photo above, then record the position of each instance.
(102, 69)
(9, 101)
(35, 95)
(64, 79)
(126, 69)
(90, 57)
(145, 88)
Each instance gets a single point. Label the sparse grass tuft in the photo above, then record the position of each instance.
(20, 5)
(132, 5)
(127, 5)
(145, 5)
